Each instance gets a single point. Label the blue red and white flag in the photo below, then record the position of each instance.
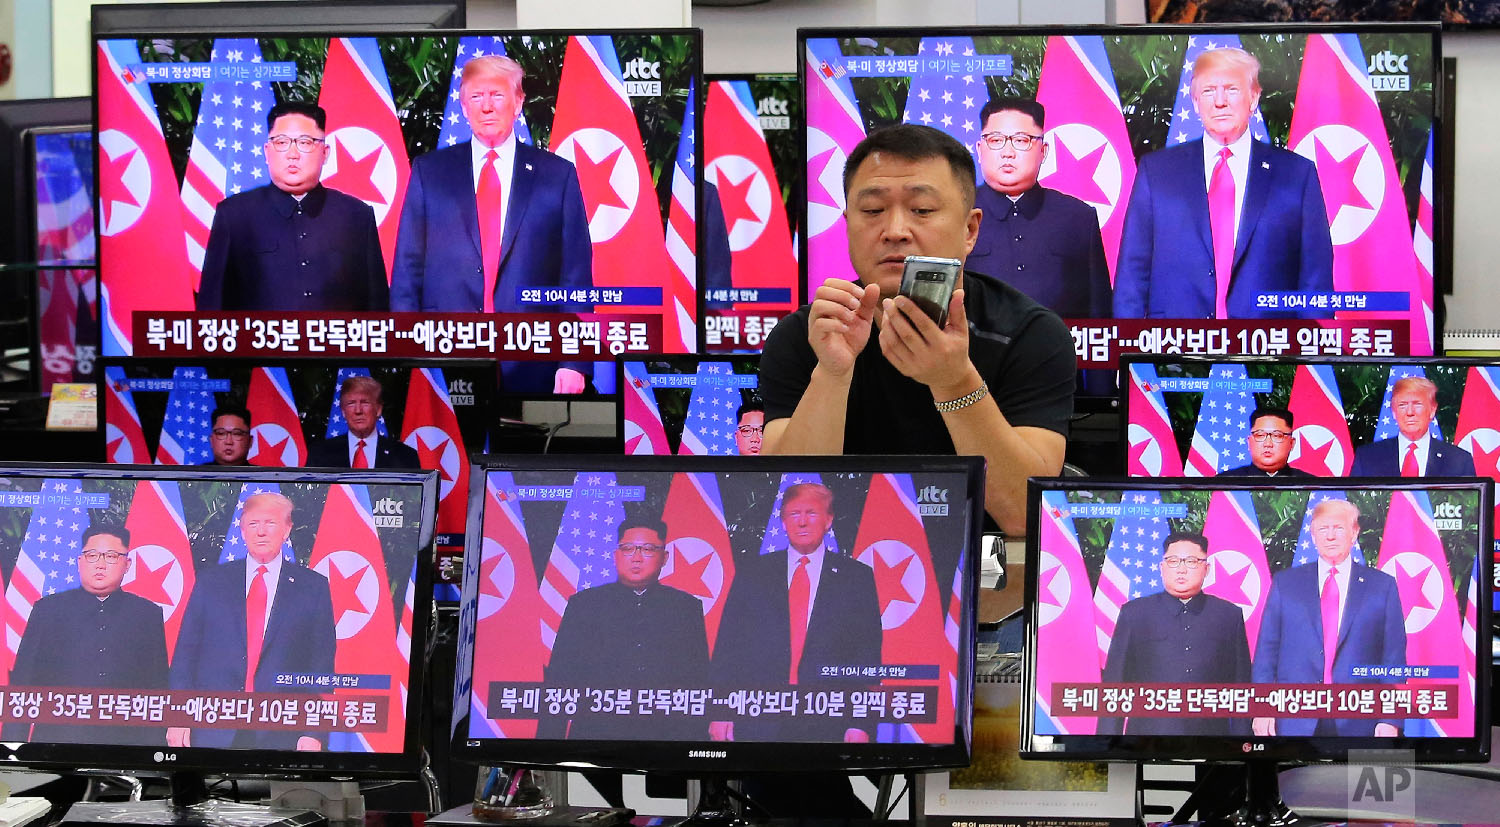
(1130, 567)
(46, 563)
(1386, 428)
(430, 427)
(1307, 549)
(64, 232)
(700, 559)
(834, 126)
(188, 419)
(1151, 445)
(455, 126)
(737, 161)
(1337, 124)
(944, 95)
(509, 606)
(709, 425)
(583, 555)
(1220, 437)
(337, 424)
(1091, 157)
(164, 569)
(952, 621)
(366, 152)
(276, 437)
(403, 630)
(124, 438)
(229, 137)
(775, 537)
(1479, 418)
(1467, 687)
(140, 212)
(1065, 618)
(682, 231)
(1421, 245)
(1237, 567)
(1323, 446)
(234, 538)
(644, 433)
(1187, 124)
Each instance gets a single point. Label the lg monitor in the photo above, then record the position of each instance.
(690, 405)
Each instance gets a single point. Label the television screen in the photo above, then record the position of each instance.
(67, 298)
(1453, 13)
(239, 620)
(205, 249)
(1325, 231)
(753, 158)
(1236, 620)
(646, 613)
(699, 405)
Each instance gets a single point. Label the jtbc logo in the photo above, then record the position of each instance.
(932, 494)
(642, 69)
(770, 106)
(1447, 510)
(460, 386)
(389, 505)
(1387, 63)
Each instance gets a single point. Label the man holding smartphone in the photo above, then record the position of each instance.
(863, 370)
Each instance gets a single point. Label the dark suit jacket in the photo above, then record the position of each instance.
(1166, 263)
(1372, 632)
(718, 259)
(1047, 245)
(1252, 470)
(753, 648)
(546, 241)
(1159, 640)
(73, 639)
(334, 453)
(267, 252)
(1444, 459)
(210, 653)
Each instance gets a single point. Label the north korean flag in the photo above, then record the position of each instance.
(1238, 571)
(140, 211)
(164, 568)
(508, 640)
(700, 560)
(431, 427)
(1152, 446)
(834, 126)
(644, 433)
(738, 162)
(1323, 445)
(366, 152)
(276, 437)
(1066, 635)
(1479, 418)
(124, 438)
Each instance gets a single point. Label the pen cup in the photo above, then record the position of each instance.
(509, 794)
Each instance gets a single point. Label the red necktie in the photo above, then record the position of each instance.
(1409, 464)
(359, 456)
(797, 598)
(1330, 622)
(490, 199)
(1221, 224)
(255, 625)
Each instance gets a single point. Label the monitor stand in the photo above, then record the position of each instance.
(189, 806)
(715, 805)
(1241, 795)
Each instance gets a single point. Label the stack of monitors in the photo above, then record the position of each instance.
(691, 405)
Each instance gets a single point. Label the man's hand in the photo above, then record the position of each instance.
(1385, 731)
(567, 380)
(838, 324)
(307, 743)
(916, 346)
(721, 730)
(179, 736)
(1264, 727)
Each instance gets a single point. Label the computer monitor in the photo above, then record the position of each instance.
(1333, 236)
(1188, 619)
(62, 229)
(595, 254)
(690, 405)
(128, 596)
(633, 613)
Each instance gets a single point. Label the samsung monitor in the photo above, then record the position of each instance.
(588, 198)
(690, 405)
(1255, 621)
(1329, 235)
(636, 613)
(194, 620)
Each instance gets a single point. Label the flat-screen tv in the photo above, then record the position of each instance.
(588, 238)
(215, 621)
(752, 156)
(643, 613)
(1237, 620)
(690, 405)
(1330, 222)
(1458, 14)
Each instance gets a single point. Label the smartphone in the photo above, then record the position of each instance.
(930, 282)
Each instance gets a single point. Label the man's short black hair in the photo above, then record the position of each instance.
(652, 523)
(115, 530)
(1271, 410)
(1025, 106)
(915, 142)
(231, 409)
(751, 404)
(310, 110)
(1193, 537)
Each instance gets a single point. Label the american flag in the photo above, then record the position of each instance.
(337, 424)
(403, 629)
(710, 423)
(1386, 427)
(1421, 243)
(46, 563)
(225, 157)
(1219, 439)
(775, 536)
(185, 426)
(682, 235)
(455, 126)
(944, 98)
(583, 553)
(1307, 550)
(1186, 125)
(65, 198)
(1131, 565)
(234, 541)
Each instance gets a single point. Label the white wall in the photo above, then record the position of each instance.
(8, 39)
(1476, 245)
(31, 49)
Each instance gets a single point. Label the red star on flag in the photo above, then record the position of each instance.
(1337, 178)
(272, 451)
(115, 171)
(594, 179)
(113, 449)
(1231, 586)
(152, 583)
(1046, 587)
(816, 192)
(1075, 175)
(1486, 461)
(1410, 588)
(688, 576)
(1138, 450)
(346, 592)
(487, 581)
(735, 198)
(1313, 456)
(355, 176)
(431, 456)
(888, 581)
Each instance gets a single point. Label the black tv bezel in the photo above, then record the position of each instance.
(1231, 748)
(1104, 404)
(667, 357)
(713, 758)
(257, 762)
(324, 31)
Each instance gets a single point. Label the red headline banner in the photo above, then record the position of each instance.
(512, 336)
(1283, 700)
(731, 331)
(912, 705)
(1098, 343)
(187, 708)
